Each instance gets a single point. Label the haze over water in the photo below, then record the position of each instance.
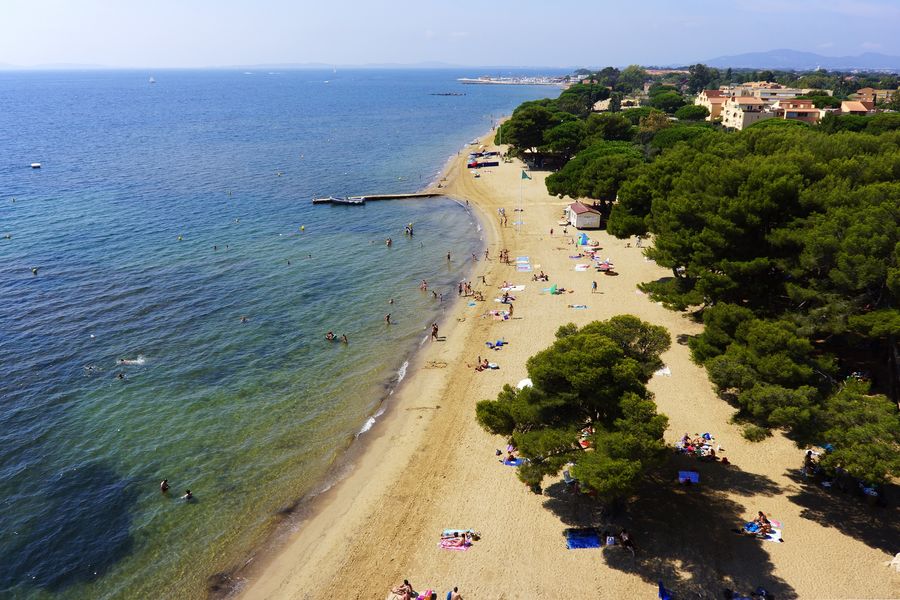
(249, 416)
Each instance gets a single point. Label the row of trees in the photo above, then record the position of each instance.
(785, 240)
(589, 386)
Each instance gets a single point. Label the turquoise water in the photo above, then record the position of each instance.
(163, 214)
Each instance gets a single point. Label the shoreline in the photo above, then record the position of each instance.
(287, 522)
(429, 466)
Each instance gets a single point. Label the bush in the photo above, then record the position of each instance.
(755, 433)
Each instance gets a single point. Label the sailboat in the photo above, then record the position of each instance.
(152, 80)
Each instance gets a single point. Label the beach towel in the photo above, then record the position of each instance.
(688, 477)
(526, 268)
(577, 539)
(578, 306)
(515, 462)
(773, 536)
(582, 268)
(513, 288)
(522, 259)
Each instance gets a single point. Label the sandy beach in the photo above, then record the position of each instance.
(429, 466)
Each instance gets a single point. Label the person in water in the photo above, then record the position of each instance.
(387, 318)
(164, 486)
(329, 336)
(344, 339)
(187, 495)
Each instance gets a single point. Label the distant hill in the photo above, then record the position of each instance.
(793, 59)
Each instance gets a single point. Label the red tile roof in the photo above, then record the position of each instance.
(578, 208)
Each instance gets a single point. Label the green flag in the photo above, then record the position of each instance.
(525, 175)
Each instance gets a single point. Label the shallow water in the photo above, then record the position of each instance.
(163, 214)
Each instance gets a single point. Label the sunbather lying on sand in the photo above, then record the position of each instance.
(404, 591)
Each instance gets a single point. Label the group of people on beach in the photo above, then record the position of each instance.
(504, 256)
(405, 591)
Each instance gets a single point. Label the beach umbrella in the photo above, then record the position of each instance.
(524, 384)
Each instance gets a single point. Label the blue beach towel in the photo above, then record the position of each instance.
(689, 476)
(582, 538)
(514, 463)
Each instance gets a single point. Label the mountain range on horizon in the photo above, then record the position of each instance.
(801, 61)
(780, 59)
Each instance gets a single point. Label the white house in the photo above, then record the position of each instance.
(582, 216)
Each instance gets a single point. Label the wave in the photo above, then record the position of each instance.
(401, 372)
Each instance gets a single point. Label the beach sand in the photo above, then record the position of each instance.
(429, 466)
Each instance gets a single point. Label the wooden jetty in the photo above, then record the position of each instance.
(374, 197)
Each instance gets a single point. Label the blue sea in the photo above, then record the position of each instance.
(170, 226)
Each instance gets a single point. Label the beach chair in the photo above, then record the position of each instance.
(567, 477)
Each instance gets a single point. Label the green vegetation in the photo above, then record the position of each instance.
(786, 241)
(593, 377)
(783, 239)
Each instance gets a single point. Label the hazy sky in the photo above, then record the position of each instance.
(196, 33)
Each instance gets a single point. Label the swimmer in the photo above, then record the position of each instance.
(344, 339)
(121, 375)
(215, 247)
(448, 257)
(243, 319)
(434, 294)
(187, 495)
(164, 486)
(387, 318)
(391, 301)
(329, 336)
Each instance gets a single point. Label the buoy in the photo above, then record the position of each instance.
(303, 228)
(34, 270)
(179, 238)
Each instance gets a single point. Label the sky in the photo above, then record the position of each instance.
(558, 33)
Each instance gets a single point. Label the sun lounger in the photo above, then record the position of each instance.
(567, 477)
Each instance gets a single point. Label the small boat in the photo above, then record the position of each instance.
(35, 165)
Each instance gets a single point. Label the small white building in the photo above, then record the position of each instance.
(582, 216)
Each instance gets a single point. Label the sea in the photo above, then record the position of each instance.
(165, 289)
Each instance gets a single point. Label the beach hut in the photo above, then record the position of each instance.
(582, 216)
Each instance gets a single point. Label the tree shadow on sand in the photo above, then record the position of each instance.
(850, 512)
(684, 534)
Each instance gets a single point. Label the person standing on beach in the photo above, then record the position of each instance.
(434, 332)
(511, 310)
(454, 594)
(459, 289)
(593, 287)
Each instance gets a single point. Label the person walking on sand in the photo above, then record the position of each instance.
(511, 307)
(434, 332)
(551, 231)
(593, 287)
